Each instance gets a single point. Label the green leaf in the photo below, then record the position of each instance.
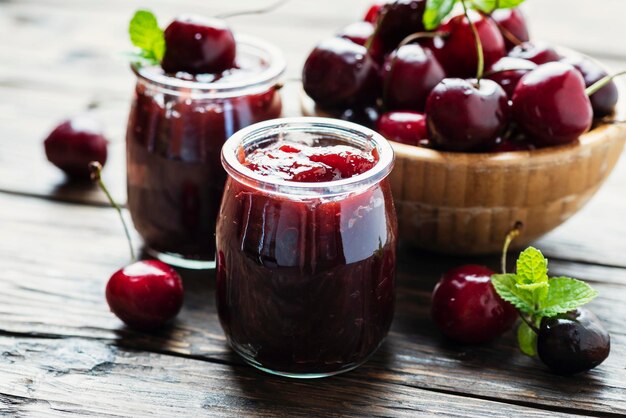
(489, 6)
(146, 35)
(506, 287)
(532, 267)
(527, 339)
(436, 11)
(566, 294)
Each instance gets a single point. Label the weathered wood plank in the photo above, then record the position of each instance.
(57, 290)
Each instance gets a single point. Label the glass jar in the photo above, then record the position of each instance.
(306, 271)
(176, 129)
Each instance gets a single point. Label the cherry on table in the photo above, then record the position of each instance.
(604, 100)
(550, 104)
(357, 32)
(508, 71)
(410, 73)
(512, 24)
(537, 52)
(457, 51)
(339, 73)
(573, 342)
(405, 127)
(74, 143)
(198, 45)
(464, 116)
(466, 307)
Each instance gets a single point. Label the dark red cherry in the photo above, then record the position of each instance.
(366, 116)
(537, 52)
(74, 143)
(339, 73)
(457, 52)
(550, 105)
(466, 307)
(604, 100)
(397, 20)
(508, 71)
(573, 342)
(405, 127)
(512, 24)
(145, 295)
(410, 73)
(198, 45)
(357, 32)
(463, 116)
(372, 13)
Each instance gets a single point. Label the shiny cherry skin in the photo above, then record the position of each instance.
(366, 116)
(508, 71)
(339, 73)
(513, 22)
(145, 295)
(466, 307)
(405, 127)
(74, 143)
(409, 75)
(462, 116)
(357, 32)
(573, 342)
(397, 20)
(457, 52)
(537, 52)
(198, 45)
(604, 100)
(550, 105)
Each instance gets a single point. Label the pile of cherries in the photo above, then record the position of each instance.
(429, 88)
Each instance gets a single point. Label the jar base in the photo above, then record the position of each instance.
(178, 260)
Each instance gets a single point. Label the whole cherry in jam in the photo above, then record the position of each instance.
(550, 104)
(357, 32)
(466, 307)
(457, 51)
(146, 294)
(463, 115)
(339, 73)
(604, 100)
(74, 143)
(410, 73)
(396, 21)
(508, 71)
(405, 127)
(512, 24)
(198, 45)
(537, 52)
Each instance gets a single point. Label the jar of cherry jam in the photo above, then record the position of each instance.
(306, 242)
(176, 129)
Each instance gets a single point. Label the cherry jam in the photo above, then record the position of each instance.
(306, 241)
(177, 126)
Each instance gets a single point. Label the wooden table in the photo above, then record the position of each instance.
(63, 352)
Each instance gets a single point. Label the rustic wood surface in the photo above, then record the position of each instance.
(63, 353)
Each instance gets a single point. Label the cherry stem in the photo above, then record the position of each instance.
(96, 171)
(264, 10)
(602, 82)
(422, 35)
(530, 324)
(510, 236)
(479, 46)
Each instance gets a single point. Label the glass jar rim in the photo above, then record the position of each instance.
(269, 75)
(319, 125)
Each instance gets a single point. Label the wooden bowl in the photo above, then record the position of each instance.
(459, 203)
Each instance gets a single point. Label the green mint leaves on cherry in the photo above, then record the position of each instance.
(536, 296)
(437, 10)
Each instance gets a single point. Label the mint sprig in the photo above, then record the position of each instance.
(536, 296)
(437, 10)
(147, 37)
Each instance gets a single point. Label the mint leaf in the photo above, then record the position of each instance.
(566, 294)
(146, 35)
(506, 286)
(488, 6)
(435, 12)
(532, 267)
(527, 339)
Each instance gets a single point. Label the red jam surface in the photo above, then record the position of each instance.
(301, 163)
(306, 286)
(175, 177)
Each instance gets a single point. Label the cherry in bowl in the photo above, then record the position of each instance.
(405, 127)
